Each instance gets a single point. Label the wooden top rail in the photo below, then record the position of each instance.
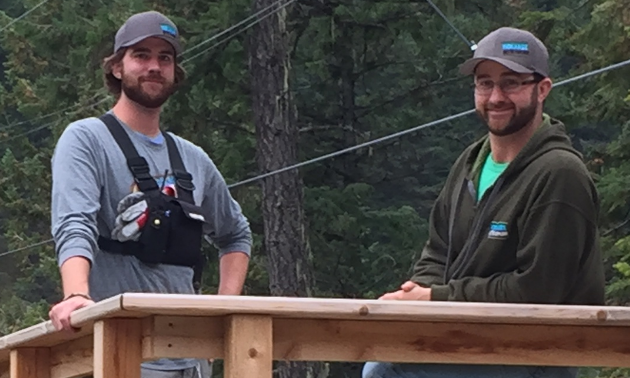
(250, 332)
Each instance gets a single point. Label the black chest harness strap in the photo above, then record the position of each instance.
(174, 228)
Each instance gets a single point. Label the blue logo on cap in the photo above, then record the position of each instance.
(515, 48)
(168, 29)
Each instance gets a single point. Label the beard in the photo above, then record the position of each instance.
(521, 118)
(133, 90)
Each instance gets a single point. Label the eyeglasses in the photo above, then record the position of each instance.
(507, 85)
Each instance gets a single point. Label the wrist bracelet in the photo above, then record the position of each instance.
(78, 295)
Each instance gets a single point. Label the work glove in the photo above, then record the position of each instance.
(132, 213)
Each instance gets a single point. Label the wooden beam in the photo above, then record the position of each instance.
(30, 363)
(335, 340)
(117, 348)
(4, 370)
(248, 346)
(320, 329)
(45, 335)
(183, 337)
(73, 358)
(355, 309)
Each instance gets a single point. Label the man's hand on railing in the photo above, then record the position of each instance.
(409, 291)
(60, 313)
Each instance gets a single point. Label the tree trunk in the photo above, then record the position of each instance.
(290, 269)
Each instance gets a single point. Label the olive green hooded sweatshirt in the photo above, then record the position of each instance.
(532, 238)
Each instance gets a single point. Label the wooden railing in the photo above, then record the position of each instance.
(250, 332)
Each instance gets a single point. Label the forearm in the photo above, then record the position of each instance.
(75, 272)
(537, 280)
(232, 272)
(429, 269)
(428, 273)
(499, 288)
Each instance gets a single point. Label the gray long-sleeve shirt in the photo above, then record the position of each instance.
(90, 176)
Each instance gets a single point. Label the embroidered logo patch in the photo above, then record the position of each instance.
(168, 29)
(498, 230)
(515, 48)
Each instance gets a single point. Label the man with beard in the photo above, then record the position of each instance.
(97, 202)
(516, 221)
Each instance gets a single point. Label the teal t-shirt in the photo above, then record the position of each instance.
(489, 174)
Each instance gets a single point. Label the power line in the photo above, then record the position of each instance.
(353, 148)
(411, 130)
(46, 125)
(10, 126)
(593, 73)
(242, 30)
(191, 49)
(26, 247)
(216, 36)
(372, 142)
(23, 15)
(6, 127)
(102, 100)
(469, 43)
(38, 128)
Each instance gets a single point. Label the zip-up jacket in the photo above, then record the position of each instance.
(532, 237)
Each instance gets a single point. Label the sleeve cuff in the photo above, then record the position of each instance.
(74, 252)
(439, 292)
(236, 247)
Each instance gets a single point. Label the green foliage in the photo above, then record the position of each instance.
(16, 314)
(360, 70)
(359, 250)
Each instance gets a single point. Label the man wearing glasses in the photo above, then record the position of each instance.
(516, 221)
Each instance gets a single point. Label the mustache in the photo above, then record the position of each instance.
(155, 78)
(498, 106)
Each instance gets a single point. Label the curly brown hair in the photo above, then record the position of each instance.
(114, 85)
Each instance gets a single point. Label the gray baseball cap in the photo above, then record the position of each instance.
(516, 49)
(144, 25)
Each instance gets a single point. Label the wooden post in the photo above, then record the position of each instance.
(248, 346)
(30, 363)
(117, 348)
